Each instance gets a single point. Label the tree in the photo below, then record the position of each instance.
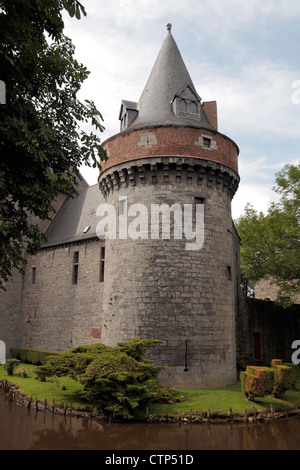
(270, 243)
(117, 380)
(42, 122)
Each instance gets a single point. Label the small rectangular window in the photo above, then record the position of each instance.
(102, 262)
(229, 273)
(206, 142)
(33, 275)
(76, 257)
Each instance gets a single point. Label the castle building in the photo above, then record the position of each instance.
(168, 267)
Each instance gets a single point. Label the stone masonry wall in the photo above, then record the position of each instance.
(53, 313)
(157, 289)
(265, 331)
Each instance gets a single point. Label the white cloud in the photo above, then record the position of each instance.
(119, 41)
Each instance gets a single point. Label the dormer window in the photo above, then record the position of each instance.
(128, 113)
(187, 104)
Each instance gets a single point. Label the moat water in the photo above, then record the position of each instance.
(23, 429)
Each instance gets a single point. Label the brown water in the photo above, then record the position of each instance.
(22, 429)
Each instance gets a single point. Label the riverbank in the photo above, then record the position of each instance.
(228, 404)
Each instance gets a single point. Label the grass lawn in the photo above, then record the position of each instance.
(65, 389)
(222, 399)
(62, 389)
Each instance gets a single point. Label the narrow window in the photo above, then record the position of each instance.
(122, 206)
(199, 200)
(102, 261)
(229, 273)
(257, 345)
(186, 357)
(75, 267)
(33, 275)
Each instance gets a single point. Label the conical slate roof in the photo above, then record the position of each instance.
(169, 79)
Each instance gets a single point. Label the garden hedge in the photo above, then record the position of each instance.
(31, 356)
(258, 381)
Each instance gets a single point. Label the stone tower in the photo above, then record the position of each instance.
(169, 155)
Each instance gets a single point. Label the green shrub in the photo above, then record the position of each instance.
(22, 372)
(41, 374)
(31, 356)
(117, 380)
(260, 381)
(242, 380)
(276, 362)
(282, 380)
(294, 374)
(10, 365)
(255, 384)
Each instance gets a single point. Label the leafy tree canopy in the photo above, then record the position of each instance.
(116, 379)
(43, 136)
(270, 243)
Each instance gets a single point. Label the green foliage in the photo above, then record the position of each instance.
(10, 365)
(117, 380)
(293, 375)
(31, 356)
(73, 362)
(43, 125)
(276, 380)
(242, 380)
(254, 385)
(270, 243)
(137, 348)
(282, 380)
(22, 372)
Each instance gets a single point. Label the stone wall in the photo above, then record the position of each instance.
(157, 289)
(45, 310)
(265, 331)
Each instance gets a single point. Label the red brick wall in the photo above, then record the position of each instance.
(210, 109)
(170, 141)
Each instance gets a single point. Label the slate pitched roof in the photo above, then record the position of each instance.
(74, 216)
(169, 75)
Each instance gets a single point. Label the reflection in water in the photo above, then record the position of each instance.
(28, 429)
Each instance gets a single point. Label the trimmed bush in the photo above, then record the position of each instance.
(294, 373)
(31, 356)
(276, 362)
(276, 380)
(282, 380)
(255, 384)
(242, 380)
(268, 375)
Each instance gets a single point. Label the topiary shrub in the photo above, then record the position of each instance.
(282, 380)
(276, 380)
(255, 384)
(276, 362)
(294, 374)
(242, 380)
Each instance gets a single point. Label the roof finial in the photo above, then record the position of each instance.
(169, 27)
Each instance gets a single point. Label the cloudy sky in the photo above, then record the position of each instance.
(243, 54)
